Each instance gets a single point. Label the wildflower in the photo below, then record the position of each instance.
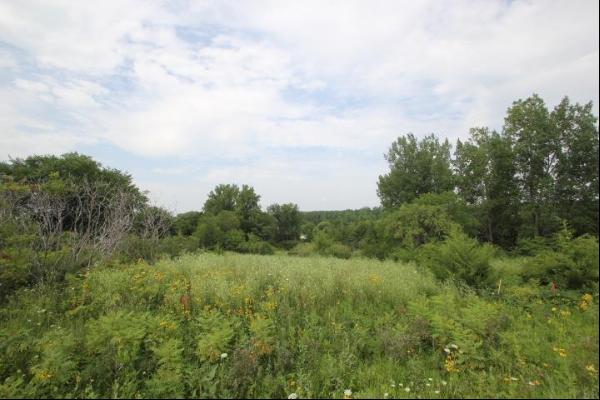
(347, 394)
(394, 385)
(386, 395)
(437, 392)
(223, 356)
(450, 364)
(447, 350)
(455, 347)
(444, 383)
(512, 378)
(561, 352)
(534, 383)
(407, 389)
(293, 396)
(430, 379)
(43, 375)
(591, 369)
(586, 300)
(565, 313)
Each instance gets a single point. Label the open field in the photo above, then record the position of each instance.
(234, 325)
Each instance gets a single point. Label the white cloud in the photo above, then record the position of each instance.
(254, 80)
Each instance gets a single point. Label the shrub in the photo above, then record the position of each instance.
(573, 264)
(414, 225)
(303, 250)
(255, 245)
(532, 246)
(340, 251)
(460, 257)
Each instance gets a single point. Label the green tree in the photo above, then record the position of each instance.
(185, 223)
(485, 178)
(416, 168)
(222, 198)
(535, 147)
(413, 225)
(246, 207)
(576, 193)
(288, 221)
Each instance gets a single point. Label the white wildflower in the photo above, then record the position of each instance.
(293, 396)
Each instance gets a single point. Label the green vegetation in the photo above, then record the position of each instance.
(268, 326)
(478, 276)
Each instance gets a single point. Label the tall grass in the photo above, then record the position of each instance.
(236, 325)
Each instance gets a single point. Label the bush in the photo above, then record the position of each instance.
(303, 250)
(414, 225)
(573, 264)
(340, 251)
(532, 246)
(255, 245)
(460, 257)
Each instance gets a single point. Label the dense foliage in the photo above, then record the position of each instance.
(222, 326)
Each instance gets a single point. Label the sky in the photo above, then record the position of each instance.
(299, 99)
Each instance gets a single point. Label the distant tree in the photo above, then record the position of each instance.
(288, 221)
(185, 224)
(416, 168)
(247, 207)
(222, 198)
(307, 230)
(263, 225)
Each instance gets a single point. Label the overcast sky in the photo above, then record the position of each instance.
(299, 99)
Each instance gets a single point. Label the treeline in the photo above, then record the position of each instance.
(516, 188)
(520, 183)
(530, 189)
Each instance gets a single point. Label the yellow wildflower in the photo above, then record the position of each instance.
(450, 364)
(43, 375)
(586, 301)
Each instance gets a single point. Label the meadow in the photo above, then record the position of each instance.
(210, 325)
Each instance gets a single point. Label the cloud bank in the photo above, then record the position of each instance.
(299, 99)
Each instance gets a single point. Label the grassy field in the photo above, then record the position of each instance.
(234, 325)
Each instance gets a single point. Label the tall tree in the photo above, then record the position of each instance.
(576, 193)
(416, 167)
(288, 221)
(246, 207)
(486, 180)
(535, 146)
(222, 198)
